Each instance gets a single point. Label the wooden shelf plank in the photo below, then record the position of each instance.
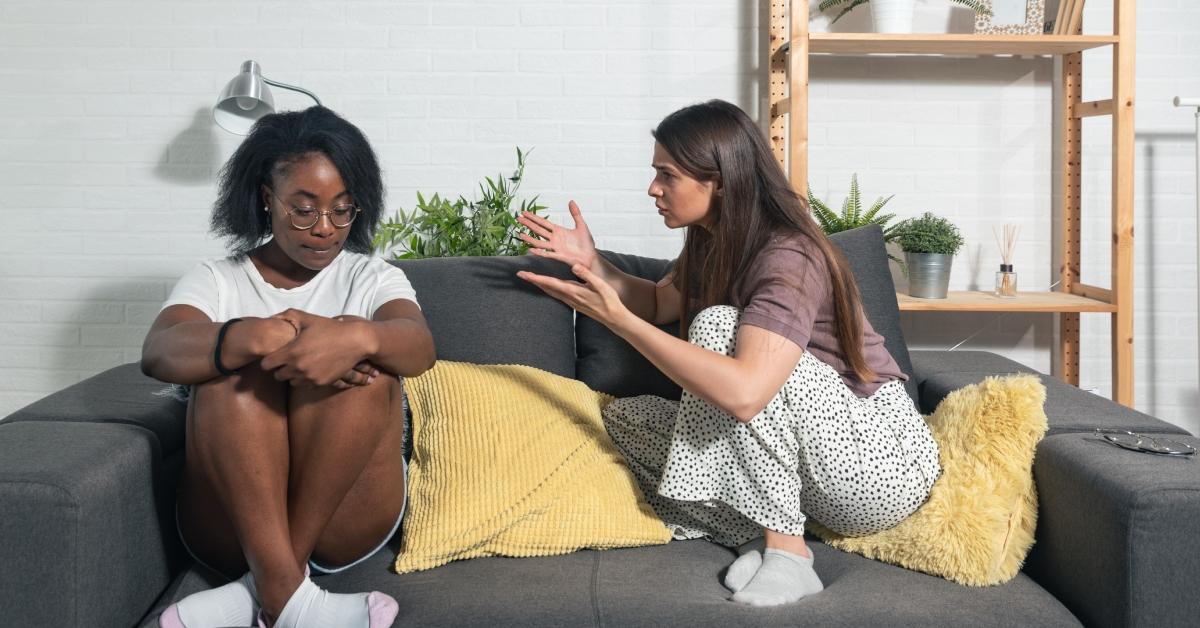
(980, 301)
(954, 44)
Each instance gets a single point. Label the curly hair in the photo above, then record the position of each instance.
(275, 143)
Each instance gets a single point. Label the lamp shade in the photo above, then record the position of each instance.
(244, 100)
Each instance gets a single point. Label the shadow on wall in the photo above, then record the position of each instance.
(1147, 217)
(192, 156)
(109, 341)
(1005, 333)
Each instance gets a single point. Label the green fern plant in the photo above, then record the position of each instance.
(846, 6)
(440, 227)
(852, 215)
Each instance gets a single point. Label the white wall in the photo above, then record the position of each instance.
(107, 152)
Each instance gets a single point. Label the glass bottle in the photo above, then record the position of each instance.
(1006, 281)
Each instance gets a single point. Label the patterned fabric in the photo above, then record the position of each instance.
(513, 461)
(979, 521)
(857, 465)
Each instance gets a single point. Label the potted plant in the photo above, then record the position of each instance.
(893, 16)
(852, 215)
(439, 227)
(929, 243)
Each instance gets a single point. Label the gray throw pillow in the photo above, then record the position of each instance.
(865, 252)
(479, 311)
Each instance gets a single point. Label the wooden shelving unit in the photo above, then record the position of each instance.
(790, 46)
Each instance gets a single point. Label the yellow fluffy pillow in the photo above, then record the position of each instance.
(978, 523)
(514, 461)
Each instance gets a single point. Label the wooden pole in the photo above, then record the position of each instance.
(1122, 201)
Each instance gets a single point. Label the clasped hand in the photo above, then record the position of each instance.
(321, 352)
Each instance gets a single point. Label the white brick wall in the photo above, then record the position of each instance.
(107, 151)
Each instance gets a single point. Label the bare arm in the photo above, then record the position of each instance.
(657, 303)
(741, 385)
(179, 346)
(399, 341)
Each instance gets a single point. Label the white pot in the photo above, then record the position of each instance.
(892, 16)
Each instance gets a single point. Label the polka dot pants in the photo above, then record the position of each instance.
(856, 465)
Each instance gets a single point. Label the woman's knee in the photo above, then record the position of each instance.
(380, 398)
(715, 328)
(249, 378)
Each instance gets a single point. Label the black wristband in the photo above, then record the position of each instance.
(217, 350)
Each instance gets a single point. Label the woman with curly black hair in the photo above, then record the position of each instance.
(291, 351)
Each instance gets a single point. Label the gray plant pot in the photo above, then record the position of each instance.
(928, 274)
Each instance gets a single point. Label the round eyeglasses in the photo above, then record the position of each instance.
(1145, 444)
(307, 217)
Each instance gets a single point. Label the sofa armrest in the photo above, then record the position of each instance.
(1068, 408)
(84, 536)
(1118, 532)
(119, 395)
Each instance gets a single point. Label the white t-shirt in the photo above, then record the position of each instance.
(232, 287)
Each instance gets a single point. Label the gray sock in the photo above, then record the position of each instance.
(783, 578)
(739, 573)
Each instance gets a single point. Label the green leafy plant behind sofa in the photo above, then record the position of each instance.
(440, 227)
(852, 215)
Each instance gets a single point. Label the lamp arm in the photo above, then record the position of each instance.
(293, 88)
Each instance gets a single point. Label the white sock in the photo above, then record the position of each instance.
(311, 606)
(233, 604)
(739, 573)
(783, 578)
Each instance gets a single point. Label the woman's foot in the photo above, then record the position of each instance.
(311, 607)
(234, 604)
(739, 573)
(783, 578)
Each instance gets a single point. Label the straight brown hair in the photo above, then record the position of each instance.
(716, 141)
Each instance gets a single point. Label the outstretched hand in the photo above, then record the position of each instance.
(569, 246)
(320, 355)
(593, 297)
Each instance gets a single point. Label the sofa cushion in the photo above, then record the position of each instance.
(607, 363)
(677, 584)
(1068, 408)
(479, 311)
(514, 461)
(865, 251)
(121, 394)
(930, 362)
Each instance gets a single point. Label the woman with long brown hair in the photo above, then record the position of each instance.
(791, 405)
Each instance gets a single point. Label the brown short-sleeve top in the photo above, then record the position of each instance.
(787, 291)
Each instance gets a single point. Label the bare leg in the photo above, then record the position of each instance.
(275, 474)
(786, 542)
(233, 496)
(346, 483)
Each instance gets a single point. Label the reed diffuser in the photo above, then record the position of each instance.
(1006, 279)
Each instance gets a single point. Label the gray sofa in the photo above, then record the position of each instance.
(87, 479)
